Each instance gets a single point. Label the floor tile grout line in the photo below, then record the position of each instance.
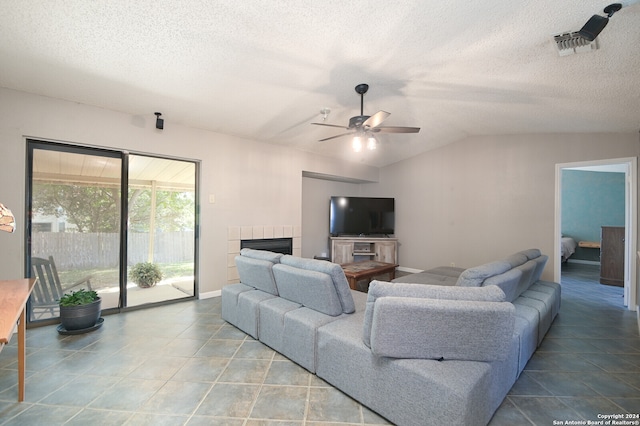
(510, 398)
(213, 384)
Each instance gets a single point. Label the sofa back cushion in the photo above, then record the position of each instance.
(474, 277)
(507, 282)
(256, 273)
(261, 254)
(433, 322)
(531, 253)
(312, 289)
(517, 259)
(528, 270)
(380, 289)
(406, 327)
(541, 261)
(333, 270)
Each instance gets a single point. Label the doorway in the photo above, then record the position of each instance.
(628, 167)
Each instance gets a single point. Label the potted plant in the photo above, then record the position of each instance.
(145, 274)
(79, 310)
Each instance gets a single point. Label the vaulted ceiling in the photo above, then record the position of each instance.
(265, 69)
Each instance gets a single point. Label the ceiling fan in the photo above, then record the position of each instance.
(362, 126)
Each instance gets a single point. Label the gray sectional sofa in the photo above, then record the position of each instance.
(440, 347)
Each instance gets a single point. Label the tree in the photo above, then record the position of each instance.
(97, 208)
(90, 208)
(175, 211)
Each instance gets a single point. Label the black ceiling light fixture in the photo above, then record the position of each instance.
(364, 126)
(596, 24)
(159, 121)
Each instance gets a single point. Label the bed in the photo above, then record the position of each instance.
(567, 247)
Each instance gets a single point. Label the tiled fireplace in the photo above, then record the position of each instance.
(237, 234)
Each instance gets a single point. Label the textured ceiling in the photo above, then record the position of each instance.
(264, 69)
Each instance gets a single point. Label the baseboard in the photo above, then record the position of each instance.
(584, 262)
(210, 294)
(408, 270)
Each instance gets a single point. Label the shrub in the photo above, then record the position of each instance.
(145, 274)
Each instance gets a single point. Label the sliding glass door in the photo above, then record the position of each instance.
(161, 238)
(75, 225)
(85, 203)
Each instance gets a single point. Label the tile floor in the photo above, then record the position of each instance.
(183, 365)
(589, 362)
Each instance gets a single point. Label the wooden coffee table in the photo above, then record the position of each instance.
(367, 269)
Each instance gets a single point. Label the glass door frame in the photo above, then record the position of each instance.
(33, 144)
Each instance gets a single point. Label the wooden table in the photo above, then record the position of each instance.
(367, 269)
(13, 301)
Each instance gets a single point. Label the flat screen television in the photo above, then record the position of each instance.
(355, 216)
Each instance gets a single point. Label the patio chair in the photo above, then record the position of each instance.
(48, 289)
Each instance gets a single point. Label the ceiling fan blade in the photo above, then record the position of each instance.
(334, 137)
(396, 129)
(330, 125)
(375, 120)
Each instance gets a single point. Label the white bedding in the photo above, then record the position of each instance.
(567, 247)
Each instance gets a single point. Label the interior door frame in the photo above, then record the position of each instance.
(631, 222)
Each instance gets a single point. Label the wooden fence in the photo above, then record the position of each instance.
(102, 250)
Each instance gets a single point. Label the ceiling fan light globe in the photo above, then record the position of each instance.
(357, 143)
(372, 143)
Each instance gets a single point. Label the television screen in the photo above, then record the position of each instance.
(361, 216)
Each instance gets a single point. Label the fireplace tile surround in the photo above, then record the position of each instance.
(235, 234)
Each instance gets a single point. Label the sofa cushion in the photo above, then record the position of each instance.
(256, 273)
(540, 261)
(531, 253)
(427, 277)
(508, 283)
(447, 271)
(312, 289)
(516, 259)
(379, 289)
(333, 270)
(527, 274)
(473, 277)
(408, 327)
(262, 255)
(551, 288)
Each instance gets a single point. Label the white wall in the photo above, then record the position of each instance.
(316, 194)
(254, 183)
(485, 197)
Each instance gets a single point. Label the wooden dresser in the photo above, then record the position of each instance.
(612, 256)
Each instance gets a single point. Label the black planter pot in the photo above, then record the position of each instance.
(80, 317)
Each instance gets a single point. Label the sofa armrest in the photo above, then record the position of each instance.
(442, 329)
